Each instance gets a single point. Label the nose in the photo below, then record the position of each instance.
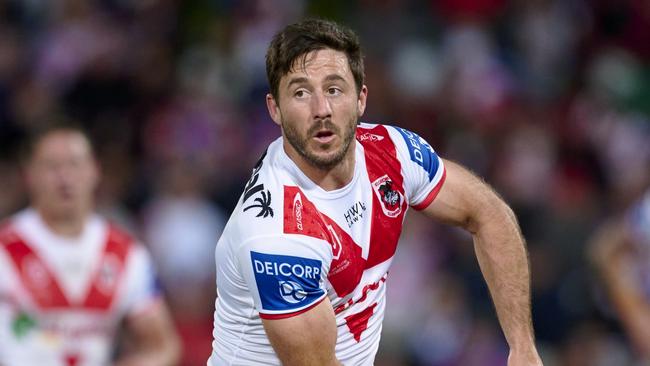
(321, 107)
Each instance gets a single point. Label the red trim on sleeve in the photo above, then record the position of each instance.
(290, 315)
(432, 195)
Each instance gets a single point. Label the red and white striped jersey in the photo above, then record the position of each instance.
(62, 299)
(289, 244)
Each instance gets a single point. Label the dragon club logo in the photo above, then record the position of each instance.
(391, 199)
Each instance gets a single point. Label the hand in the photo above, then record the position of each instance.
(521, 358)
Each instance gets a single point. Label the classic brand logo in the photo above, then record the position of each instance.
(297, 210)
(391, 200)
(370, 137)
(286, 282)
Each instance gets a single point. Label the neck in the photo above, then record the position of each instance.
(69, 225)
(328, 179)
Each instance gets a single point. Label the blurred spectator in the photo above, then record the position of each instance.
(621, 254)
(71, 280)
(181, 226)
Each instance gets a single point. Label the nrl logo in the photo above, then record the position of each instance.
(370, 137)
(391, 200)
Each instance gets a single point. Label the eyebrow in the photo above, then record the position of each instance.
(302, 79)
(298, 80)
(335, 77)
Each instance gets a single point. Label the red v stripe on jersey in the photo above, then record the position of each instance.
(385, 173)
(38, 279)
(302, 217)
(110, 271)
(35, 275)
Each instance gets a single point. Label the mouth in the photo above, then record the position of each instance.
(324, 136)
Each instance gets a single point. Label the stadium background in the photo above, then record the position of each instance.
(549, 100)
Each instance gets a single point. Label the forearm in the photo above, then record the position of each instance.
(633, 311)
(158, 357)
(152, 340)
(468, 202)
(610, 255)
(503, 259)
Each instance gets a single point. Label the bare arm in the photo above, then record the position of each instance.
(307, 339)
(468, 202)
(612, 258)
(153, 339)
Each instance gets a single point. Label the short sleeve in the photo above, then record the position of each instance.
(285, 275)
(423, 169)
(142, 285)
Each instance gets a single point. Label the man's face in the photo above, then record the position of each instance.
(318, 108)
(62, 174)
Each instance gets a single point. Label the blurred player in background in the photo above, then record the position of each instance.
(620, 252)
(70, 280)
(303, 261)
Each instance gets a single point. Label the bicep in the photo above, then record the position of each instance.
(305, 339)
(463, 198)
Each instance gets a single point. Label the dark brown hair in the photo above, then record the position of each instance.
(299, 39)
(60, 124)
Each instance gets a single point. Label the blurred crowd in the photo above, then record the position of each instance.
(548, 100)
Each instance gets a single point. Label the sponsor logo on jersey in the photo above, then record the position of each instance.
(421, 152)
(370, 137)
(108, 273)
(35, 272)
(262, 200)
(292, 292)
(355, 213)
(335, 242)
(22, 324)
(286, 282)
(390, 199)
(297, 210)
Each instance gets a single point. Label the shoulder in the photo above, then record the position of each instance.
(6, 229)
(116, 232)
(121, 242)
(260, 207)
(403, 139)
(11, 227)
(405, 145)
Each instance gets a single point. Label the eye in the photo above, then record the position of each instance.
(333, 90)
(300, 93)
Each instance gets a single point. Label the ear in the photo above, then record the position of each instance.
(274, 109)
(361, 102)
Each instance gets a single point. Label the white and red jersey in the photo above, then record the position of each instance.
(289, 244)
(62, 299)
